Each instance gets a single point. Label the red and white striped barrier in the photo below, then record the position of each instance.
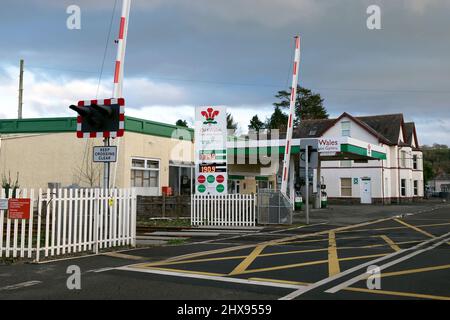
(287, 153)
(121, 47)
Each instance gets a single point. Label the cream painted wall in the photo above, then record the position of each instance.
(57, 157)
(44, 158)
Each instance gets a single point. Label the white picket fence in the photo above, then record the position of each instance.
(68, 221)
(232, 210)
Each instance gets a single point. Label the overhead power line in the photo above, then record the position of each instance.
(261, 85)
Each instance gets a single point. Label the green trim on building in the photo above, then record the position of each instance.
(38, 125)
(349, 148)
(159, 129)
(69, 124)
(378, 155)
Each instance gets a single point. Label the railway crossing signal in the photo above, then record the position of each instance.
(100, 118)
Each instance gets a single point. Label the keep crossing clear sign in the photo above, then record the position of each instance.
(105, 154)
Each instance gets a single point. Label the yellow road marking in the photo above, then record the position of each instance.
(385, 292)
(415, 228)
(271, 242)
(123, 256)
(248, 260)
(266, 254)
(310, 263)
(390, 242)
(192, 261)
(411, 271)
(333, 260)
(397, 228)
(396, 293)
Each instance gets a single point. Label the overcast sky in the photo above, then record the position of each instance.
(237, 53)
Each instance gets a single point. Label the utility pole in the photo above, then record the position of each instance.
(19, 109)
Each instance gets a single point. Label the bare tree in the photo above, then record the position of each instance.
(88, 172)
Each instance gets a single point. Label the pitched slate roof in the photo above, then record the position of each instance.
(386, 127)
(313, 128)
(410, 131)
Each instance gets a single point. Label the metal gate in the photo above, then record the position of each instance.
(231, 210)
(273, 207)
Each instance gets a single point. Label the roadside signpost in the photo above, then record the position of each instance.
(101, 119)
(211, 150)
(105, 154)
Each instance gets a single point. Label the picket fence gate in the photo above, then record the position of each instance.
(69, 221)
(230, 210)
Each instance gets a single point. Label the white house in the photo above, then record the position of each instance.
(398, 178)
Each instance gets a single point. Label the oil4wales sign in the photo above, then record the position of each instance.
(211, 150)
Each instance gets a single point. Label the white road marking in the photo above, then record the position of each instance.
(20, 285)
(101, 270)
(305, 289)
(384, 266)
(214, 278)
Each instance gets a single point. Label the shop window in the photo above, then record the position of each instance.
(145, 173)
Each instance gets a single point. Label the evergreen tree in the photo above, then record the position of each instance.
(308, 105)
(278, 120)
(256, 124)
(181, 123)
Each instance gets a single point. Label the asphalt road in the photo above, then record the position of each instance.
(320, 261)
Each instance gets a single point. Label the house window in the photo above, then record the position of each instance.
(415, 162)
(345, 128)
(403, 159)
(346, 163)
(346, 187)
(416, 187)
(403, 187)
(144, 173)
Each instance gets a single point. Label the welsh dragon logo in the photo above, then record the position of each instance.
(209, 115)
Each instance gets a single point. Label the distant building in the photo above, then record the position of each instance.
(441, 183)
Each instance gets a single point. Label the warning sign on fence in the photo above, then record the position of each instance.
(19, 208)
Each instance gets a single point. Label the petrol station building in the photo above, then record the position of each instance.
(372, 159)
